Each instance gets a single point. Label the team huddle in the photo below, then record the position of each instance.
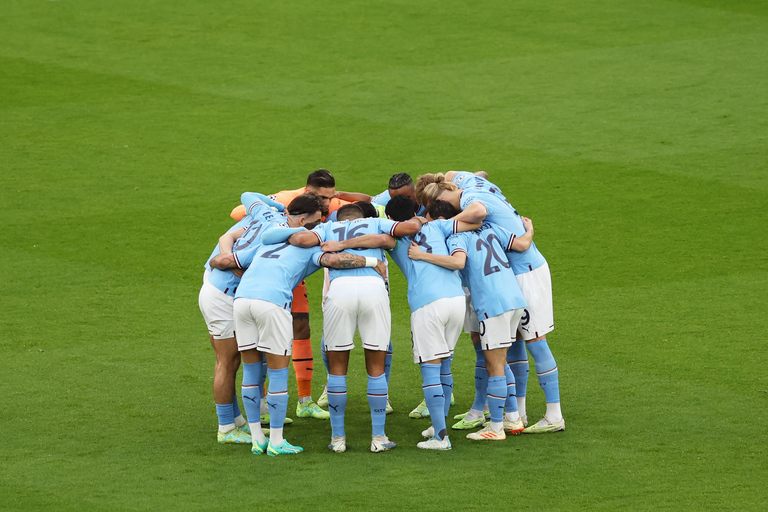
(470, 263)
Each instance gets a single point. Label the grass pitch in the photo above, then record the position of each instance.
(633, 133)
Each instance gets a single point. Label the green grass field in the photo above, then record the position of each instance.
(635, 134)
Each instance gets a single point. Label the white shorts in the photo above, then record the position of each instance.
(436, 328)
(264, 326)
(216, 307)
(356, 303)
(539, 318)
(501, 330)
(471, 322)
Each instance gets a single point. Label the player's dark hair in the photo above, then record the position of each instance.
(442, 209)
(367, 208)
(306, 204)
(400, 208)
(349, 212)
(321, 179)
(400, 180)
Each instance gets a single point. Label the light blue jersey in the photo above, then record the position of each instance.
(427, 282)
(346, 229)
(382, 199)
(467, 180)
(273, 271)
(261, 217)
(242, 223)
(487, 273)
(502, 213)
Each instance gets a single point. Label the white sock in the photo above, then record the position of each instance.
(240, 421)
(496, 426)
(554, 414)
(263, 407)
(512, 416)
(303, 399)
(276, 436)
(521, 405)
(256, 433)
(226, 428)
(486, 409)
(473, 415)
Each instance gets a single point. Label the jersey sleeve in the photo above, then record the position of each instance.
(387, 226)
(244, 258)
(505, 236)
(321, 231)
(474, 196)
(457, 243)
(381, 199)
(445, 226)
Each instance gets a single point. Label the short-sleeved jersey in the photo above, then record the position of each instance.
(274, 271)
(487, 273)
(383, 198)
(261, 216)
(346, 229)
(242, 223)
(467, 180)
(285, 197)
(427, 282)
(502, 213)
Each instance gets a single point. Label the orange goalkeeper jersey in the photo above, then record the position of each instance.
(285, 197)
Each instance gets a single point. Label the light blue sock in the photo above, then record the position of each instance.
(224, 412)
(377, 401)
(517, 359)
(277, 397)
(546, 370)
(337, 403)
(497, 395)
(388, 362)
(481, 379)
(325, 356)
(236, 407)
(251, 390)
(433, 395)
(263, 379)
(446, 379)
(511, 402)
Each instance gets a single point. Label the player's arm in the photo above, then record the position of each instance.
(522, 243)
(248, 199)
(370, 241)
(475, 212)
(224, 261)
(346, 260)
(299, 237)
(455, 261)
(228, 239)
(408, 228)
(462, 226)
(352, 197)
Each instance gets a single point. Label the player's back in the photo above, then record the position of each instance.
(274, 271)
(427, 282)
(487, 273)
(347, 229)
(505, 215)
(467, 181)
(260, 218)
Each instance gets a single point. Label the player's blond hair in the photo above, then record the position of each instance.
(432, 191)
(421, 183)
